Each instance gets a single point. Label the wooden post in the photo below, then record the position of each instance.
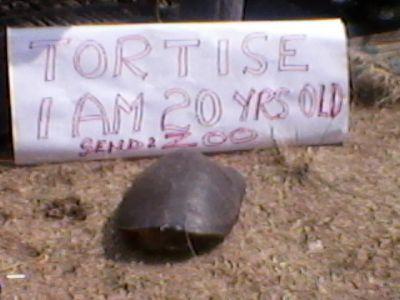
(232, 9)
(211, 9)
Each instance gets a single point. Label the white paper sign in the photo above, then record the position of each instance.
(91, 92)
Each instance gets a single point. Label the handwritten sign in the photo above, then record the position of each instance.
(92, 92)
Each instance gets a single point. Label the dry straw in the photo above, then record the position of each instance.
(375, 69)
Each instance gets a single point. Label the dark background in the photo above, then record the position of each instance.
(361, 15)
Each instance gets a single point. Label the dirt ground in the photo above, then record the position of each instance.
(317, 223)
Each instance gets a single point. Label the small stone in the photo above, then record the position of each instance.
(68, 268)
(3, 218)
(315, 246)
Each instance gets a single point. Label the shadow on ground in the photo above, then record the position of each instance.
(121, 247)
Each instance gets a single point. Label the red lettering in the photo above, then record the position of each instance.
(244, 102)
(337, 100)
(137, 107)
(223, 57)
(101, 146)
(333, 107)
(135, 145)
(112, 147)
(324, 106)
(216, 111)
(214, 139)
(152, 143)
(285, 53)
(184, 104)
(308, 100)
(243, 136)
(101, 61)
(260, 60)
(51, 55)
(104, 146)
(121, 59)
(123, 145)
(80, 117)
(44, 118)
(178, 137)
(87, 147)
(178, 133)
(328, 104)
(268, 96)
(183, 53)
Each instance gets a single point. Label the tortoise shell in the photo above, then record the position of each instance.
(183, 202)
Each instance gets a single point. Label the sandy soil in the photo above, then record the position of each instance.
(317, 223)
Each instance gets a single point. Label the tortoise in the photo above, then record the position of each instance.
(183, 203)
